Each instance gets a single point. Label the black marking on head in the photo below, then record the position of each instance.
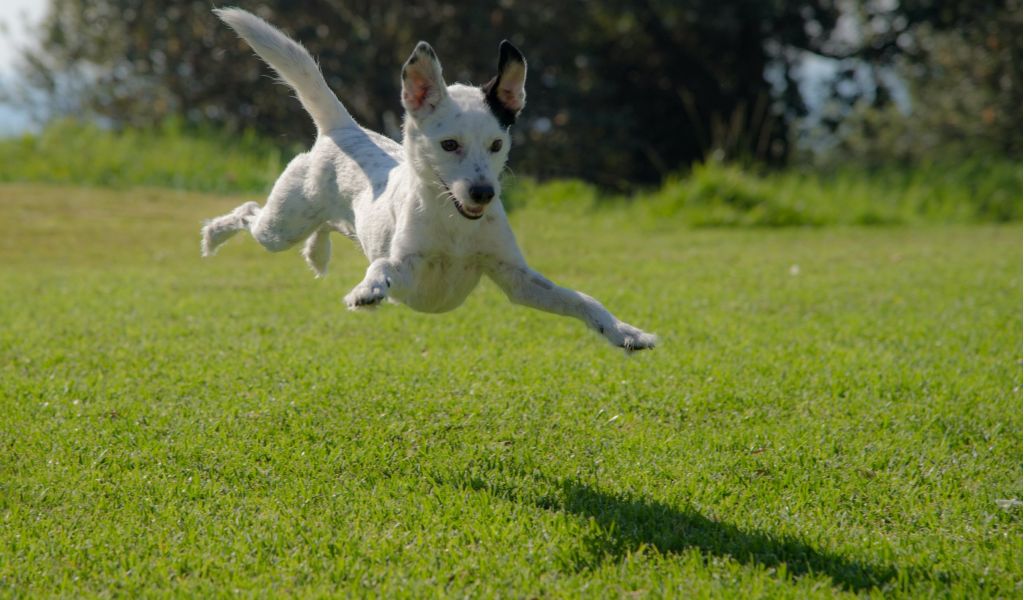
(505, 117)
(506, 53)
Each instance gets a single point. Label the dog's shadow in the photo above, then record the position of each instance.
(628, 524)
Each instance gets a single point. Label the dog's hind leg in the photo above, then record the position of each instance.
(292, 213)
(317, 250)
(218, 230)
(295, 208)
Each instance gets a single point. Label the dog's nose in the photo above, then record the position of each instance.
(481, 194)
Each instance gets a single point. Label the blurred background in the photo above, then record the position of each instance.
(623, 95)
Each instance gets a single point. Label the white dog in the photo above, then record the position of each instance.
(427, 212)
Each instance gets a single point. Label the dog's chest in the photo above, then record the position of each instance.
(442, 280)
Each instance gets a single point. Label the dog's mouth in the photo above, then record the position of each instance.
(471, 213)
(467, 211)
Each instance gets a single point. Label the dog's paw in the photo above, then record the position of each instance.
(365, 296)
(631, 339)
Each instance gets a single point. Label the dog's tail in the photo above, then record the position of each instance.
(293, 63)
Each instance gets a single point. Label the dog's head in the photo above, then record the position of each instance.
(457, 136)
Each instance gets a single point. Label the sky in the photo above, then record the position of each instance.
(14, 31)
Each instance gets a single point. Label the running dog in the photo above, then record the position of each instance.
(427, 212)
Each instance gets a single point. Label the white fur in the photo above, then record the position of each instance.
(409, 206)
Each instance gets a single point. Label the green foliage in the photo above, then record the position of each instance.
(720, 195)
(831, 413)
(717, 195)
(566, 195)
(723, 195)
(710, 195)
(599, 72)
(169, 156)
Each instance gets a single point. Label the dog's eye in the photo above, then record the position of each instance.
(495, 145)
(449, 145)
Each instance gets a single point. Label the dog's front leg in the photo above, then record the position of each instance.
(383, 276)
(525, 286)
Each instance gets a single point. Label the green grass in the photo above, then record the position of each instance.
(831, 412)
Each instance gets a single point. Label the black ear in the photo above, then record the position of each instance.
(506, 92)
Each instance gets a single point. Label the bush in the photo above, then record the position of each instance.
(713, 194)
(168, 156)
(717, 195)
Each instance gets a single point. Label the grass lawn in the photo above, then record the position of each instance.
(831, 411)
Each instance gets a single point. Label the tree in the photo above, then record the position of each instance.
(964, 84)
(619, 91)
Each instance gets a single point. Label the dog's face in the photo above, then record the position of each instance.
(457, 136)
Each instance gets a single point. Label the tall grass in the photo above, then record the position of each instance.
(716, 194)
(723, 195)
(167, 156)
(709, 195)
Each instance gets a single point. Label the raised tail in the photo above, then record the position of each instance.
(293, 63)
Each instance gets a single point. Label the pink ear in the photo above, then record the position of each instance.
(415, 91)
(506, 92)
(512, 86)
(423, 87)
